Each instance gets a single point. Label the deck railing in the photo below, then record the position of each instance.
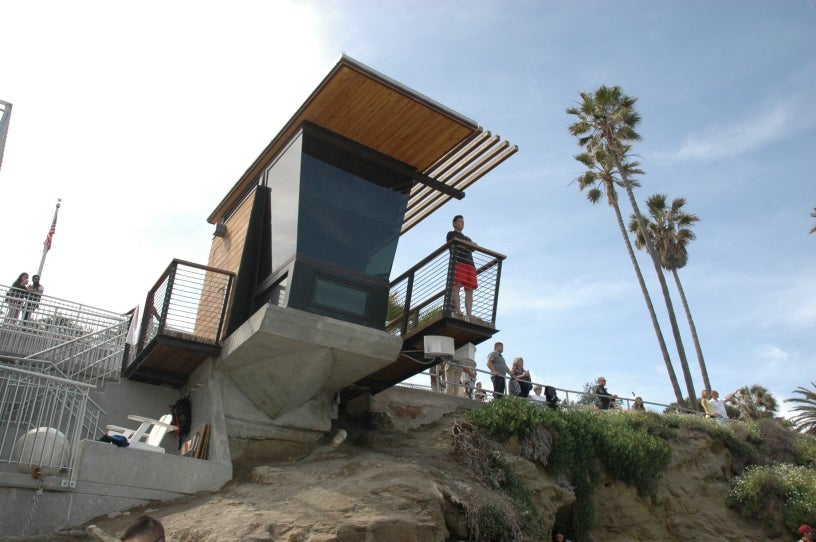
(189, 301)
(426, 290)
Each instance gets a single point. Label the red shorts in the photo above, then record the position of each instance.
(465, 274)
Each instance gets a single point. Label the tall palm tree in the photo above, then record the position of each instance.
(606, 121)
(670, 228)
(805, 420)
(601, 177)
(755, 402)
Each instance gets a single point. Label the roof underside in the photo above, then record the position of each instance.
(367, 107)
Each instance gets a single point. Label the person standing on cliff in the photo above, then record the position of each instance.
(35, 292)
(498, 368)
(603, 399)
(718, 405)
(464, 272)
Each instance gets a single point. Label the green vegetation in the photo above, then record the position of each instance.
(778, 465)
(491, 524)
(783, 488)
(805, 419)
(805, 450)
(619, 439)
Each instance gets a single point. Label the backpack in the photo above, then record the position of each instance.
(182, 417)
(551, 396)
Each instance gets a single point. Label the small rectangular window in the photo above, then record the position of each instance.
(341, 297)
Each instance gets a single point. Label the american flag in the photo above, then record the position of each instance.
(50, 236)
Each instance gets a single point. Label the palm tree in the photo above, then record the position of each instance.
(605, 128)
(755, 402)
(600, 178)
(813, 214)
(805, 420)
(670, 229)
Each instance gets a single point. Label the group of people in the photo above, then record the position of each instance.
(713, 406)
(23, 297)
(515, 380)
(520, 383)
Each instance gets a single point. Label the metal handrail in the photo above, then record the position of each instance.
(42, 420)
(564, 403)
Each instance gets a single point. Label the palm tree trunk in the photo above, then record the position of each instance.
(663, 286)
(701, 361)
(678, 393)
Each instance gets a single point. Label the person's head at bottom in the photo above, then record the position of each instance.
(144, 529)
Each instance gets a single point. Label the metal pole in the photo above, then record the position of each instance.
(47, 242)
(5, 118)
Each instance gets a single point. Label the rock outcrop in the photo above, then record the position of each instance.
(401, 480)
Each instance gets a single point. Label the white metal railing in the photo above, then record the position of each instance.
(77, 341)
(42, 420)
(437, 383)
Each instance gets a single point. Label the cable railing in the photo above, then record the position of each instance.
(42, 420)
(189, 301)
(426, 291)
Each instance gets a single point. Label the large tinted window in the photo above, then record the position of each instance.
(347, 220)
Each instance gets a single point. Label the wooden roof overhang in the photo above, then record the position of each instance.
(448, 151)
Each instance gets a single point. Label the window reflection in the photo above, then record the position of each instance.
(347, 220)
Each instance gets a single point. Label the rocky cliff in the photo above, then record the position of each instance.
(399, 477)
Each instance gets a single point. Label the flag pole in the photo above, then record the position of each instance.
(49, 237)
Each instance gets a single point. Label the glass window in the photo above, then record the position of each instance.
(334, 295)
(348, 221)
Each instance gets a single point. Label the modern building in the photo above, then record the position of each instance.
(294, 317)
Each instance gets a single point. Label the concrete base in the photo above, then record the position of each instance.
(283, 367)
(109, 479)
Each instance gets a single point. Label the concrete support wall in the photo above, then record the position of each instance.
(109, 479)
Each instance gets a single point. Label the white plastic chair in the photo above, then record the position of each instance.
(148, 435)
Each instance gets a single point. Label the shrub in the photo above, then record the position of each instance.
(805, 451)
(491, 524)
(759, 488)
(622, 441)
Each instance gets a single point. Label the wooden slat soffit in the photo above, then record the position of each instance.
(373, 110)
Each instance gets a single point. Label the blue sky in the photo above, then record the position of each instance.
(142, 116)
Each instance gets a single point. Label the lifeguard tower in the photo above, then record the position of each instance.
(295, 301)
(294, 316)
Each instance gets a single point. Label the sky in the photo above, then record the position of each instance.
(141, 116)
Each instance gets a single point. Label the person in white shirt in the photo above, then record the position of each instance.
(718, 405)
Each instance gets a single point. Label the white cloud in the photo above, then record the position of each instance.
(772, 354)
(729, 141)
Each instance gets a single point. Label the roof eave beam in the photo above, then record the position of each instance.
(439, 186)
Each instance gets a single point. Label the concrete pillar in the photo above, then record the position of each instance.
(465, 356)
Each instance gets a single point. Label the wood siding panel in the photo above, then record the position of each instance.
(225, 252)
